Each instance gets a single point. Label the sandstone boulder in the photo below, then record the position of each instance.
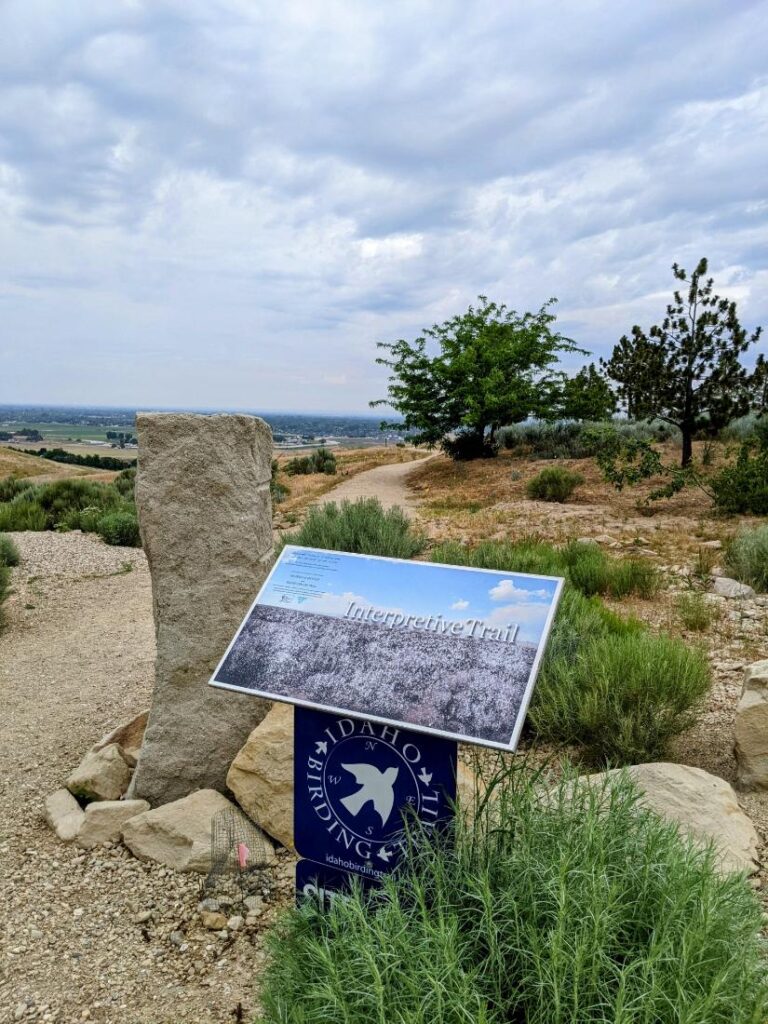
(726, 587)
(104, 820)
(751, 728)
(64, 814)
(261, 775)
(205, 515)
(101, 775)
(703, 805)
(128, 738)
(178, 834)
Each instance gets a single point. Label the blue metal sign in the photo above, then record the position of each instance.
(322, 883)
(356, 780)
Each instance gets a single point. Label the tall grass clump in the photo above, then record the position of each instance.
(9, 553)
(322, 460)
(747, 558)
(75, 505)
(586, 566)
(553, 484)
(565, 906)
(621, 697)
(696, 611)
(361, 526)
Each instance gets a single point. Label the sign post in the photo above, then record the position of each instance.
(389, 663)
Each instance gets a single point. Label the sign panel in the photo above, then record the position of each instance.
(319, 882)
(355, 782)
(442, 649)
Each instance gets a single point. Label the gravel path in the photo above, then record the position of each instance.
(387, 483)
(87, 935)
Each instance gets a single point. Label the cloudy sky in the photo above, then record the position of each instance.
(226, 203)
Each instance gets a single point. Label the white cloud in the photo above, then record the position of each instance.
(506, 590)
(459, 606)
(217, 204)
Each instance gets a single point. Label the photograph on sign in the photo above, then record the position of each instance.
(443, 649)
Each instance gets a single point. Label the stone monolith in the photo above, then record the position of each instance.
(205, 515)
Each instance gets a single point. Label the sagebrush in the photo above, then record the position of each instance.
(361, 526)
(747, 557)
(553, 484)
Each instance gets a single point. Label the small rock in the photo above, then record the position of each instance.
(64, 814)
(751, 728)
(731, 588)
(78, 912)
(235, 923)
(142, 917)
(176, 939)
(177, 834)
(209, 904)
(213, 920)
(253, 904)
(101, 775)
(104, 821)
(128, 737)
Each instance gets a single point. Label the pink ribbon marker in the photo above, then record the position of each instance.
(243, 854)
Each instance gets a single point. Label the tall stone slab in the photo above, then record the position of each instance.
(205, 514)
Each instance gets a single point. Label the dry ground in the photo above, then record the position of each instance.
(31, 467)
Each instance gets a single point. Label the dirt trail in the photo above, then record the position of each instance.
(86, 935)
(387, 483)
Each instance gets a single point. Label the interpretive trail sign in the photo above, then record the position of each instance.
(446, 650)
(356, 781)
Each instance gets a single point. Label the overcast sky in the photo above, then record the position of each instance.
(226, 203)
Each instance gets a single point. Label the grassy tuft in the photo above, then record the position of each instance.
(9, 553)
(573, 906)
(622, 697)
(696, 611)
(361, 526)
(586, 566)
(553, 484)
(747, 558)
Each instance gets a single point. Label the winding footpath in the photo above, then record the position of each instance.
(387, 483)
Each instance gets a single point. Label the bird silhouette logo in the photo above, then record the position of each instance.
(375, 786)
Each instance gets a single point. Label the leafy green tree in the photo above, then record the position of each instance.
(688, 369)
(473, 373)
(588, 396)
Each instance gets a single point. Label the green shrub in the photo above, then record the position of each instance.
(5, 582)
(11, 486)
(586, 566)
(568, 906)
(120, 529)
(621, 697)
(570, 439)
(466, 444)
(22, 515)
(277, 488)
(320, 461)
(742, 487)
(554, 484)
(362, 526)
(747, 558)
(695, 610)
(9, 553)
(125, 483)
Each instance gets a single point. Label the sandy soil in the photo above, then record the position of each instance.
(387, 483)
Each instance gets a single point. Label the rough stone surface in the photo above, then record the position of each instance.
(205, 514)
(128, 738)
(101, 775)
(726, 587)
(751, 728)
(64, 814)
(104, 820)
(261, 776)
(703, 805)
(178, 834)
